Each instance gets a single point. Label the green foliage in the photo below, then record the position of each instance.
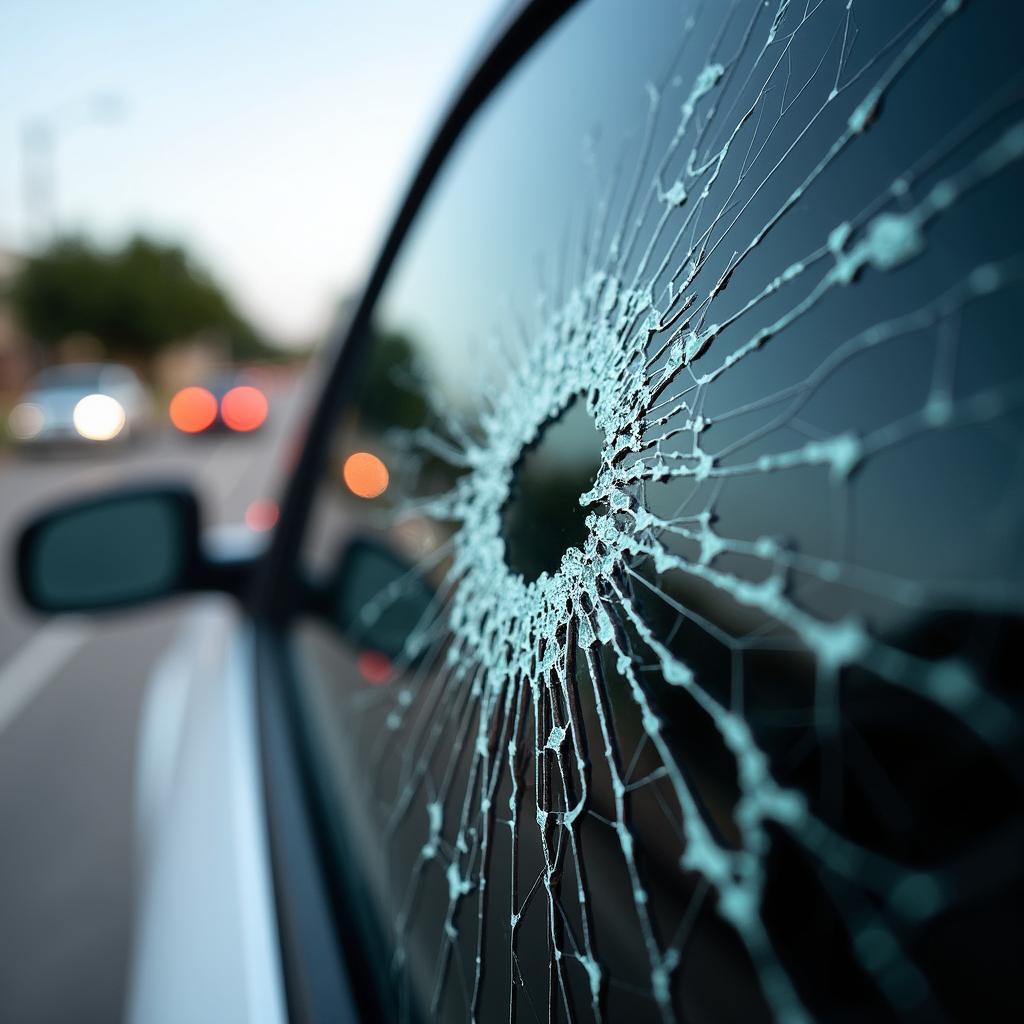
(135, 299)
(390, 392)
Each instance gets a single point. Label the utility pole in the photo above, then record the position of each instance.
(39, 162)
(38, 183)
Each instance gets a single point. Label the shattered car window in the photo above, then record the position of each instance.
(671, 546)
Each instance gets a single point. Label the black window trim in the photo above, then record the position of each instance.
(328, 968)
(273, 594)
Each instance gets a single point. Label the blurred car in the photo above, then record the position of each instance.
(81, 403)
(230, 401)
(727, 727)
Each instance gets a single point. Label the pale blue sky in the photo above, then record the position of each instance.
(274, 138)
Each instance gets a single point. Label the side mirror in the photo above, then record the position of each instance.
(376, 599)
(118, 549)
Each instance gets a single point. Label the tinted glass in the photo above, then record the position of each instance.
(694, 406)
(86, 376)
(119, 551)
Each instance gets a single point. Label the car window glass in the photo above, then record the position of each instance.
(667, 563)
(85, 376)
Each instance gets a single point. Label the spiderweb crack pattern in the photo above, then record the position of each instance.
(500, 667)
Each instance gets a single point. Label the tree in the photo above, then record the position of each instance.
(135, 299)
(391, 393)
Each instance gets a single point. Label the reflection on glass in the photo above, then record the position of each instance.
(377, 600)
(712, 716)
(365, 475)
(543, 516)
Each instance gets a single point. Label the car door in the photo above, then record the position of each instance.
(658, 541)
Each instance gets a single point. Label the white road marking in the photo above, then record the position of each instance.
(36, 662)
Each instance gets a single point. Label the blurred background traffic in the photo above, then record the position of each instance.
(190, 198)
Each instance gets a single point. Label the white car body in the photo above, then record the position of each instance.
(206, 946)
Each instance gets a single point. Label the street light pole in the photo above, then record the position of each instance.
(38, 183)
(39, 162)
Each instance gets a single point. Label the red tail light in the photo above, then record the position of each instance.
(261, 514)
(374, 667)
(244, 408)
(193, 409)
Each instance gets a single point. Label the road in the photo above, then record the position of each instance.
(70, 694)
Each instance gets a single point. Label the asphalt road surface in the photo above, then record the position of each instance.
(70, 694)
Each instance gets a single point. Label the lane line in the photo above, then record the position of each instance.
(37, 661)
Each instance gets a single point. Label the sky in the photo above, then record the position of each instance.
(273, 139)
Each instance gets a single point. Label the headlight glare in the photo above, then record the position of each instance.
(26, 421)
(98, 417)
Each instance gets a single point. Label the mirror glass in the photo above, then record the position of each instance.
(378, 600)
(115, 551)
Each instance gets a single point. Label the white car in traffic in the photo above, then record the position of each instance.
(81, 403)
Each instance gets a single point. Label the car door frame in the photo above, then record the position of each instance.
(327, 956)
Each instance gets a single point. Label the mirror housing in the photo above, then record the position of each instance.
(120, 548)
